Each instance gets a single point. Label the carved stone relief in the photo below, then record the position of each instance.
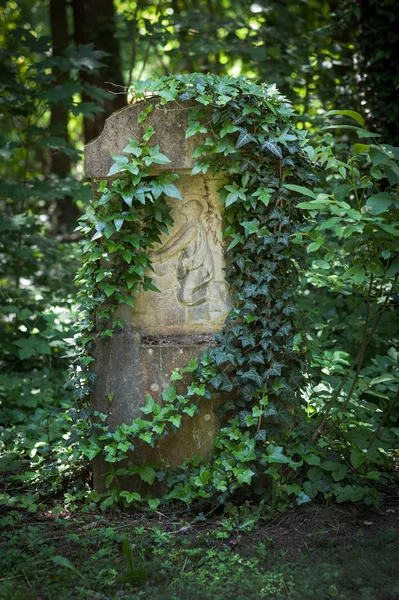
(188, 267)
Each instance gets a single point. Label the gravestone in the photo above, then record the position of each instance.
(165, 329)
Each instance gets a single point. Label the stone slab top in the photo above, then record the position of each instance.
(170, 124)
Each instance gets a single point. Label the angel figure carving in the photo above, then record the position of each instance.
(195, 267)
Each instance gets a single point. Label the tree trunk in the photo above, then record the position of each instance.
(66, 210)
(94, 23)
(378, 47)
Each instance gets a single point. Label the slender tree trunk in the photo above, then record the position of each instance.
(66, 210)
(94, 22)
(378, 48)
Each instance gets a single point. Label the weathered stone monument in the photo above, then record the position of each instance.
(164, 330)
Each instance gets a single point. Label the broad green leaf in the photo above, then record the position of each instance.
(314, 205)
(362, 133)
(393, 268)
(147, 473)
(25, 353)
(357, 458)
(378, 156)
(360, 148)
(359, 276)
(312, 459)
(380, 202)
(347, 113)
(313, 247)
(300, 190)
(382, 379)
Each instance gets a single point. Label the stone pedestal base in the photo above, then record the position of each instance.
(131, 367)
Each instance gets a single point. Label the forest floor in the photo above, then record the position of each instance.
(309, 553)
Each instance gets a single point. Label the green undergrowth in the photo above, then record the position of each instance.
(97, 559)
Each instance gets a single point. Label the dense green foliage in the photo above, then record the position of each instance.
(37, 269)
(258, 357)
(336, 236)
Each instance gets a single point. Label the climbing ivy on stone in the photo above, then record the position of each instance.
(257, 360)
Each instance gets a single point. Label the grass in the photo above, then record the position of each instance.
(308, 554)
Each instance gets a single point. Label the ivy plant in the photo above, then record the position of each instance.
(266, 442)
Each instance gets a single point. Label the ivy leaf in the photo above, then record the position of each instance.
(244, 138)
(263, 194)
(190, 410)
(120, 163)
(171, 190)
(250, 226)
(118, 224)
(149, 405)
(216, 381)
(275, 455)
(261, 435)
(167, 95)
(235, 193)
(228, 129)
(149, 132)
(175, 420)
(105, 198)
(169, 395)
(144, 113)
(133, 147)
(273, 148)
(155, 156)
(146, 437)
(195, 128)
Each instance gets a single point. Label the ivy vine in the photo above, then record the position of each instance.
(258, 356)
